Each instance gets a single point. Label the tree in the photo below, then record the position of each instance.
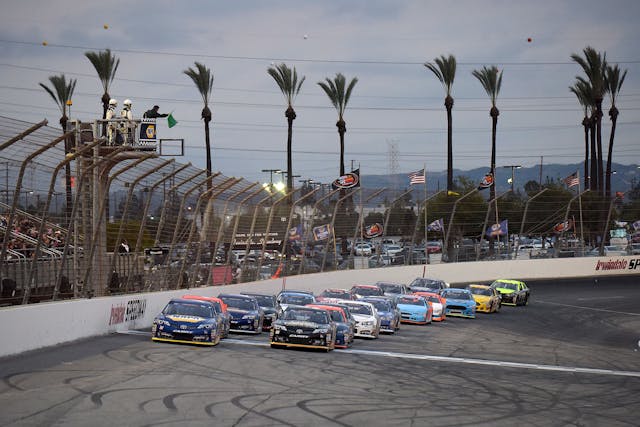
(594, 64)
(62, 93)
(106, 66)
(491, 80)
(582, 91)
(203, 79)
(613, 84)
(287, 80)
(445, 70)
(339, 94)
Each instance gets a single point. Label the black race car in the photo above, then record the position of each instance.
(299, 326)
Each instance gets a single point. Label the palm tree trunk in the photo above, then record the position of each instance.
(290, 115)
(593, 181)
(449, 148)
(494, 125)
(342, 129)
(613, 113)
(585, 124)
(599, 146)
(207, 144)
(67, 172)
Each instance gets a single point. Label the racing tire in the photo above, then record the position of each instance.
(526, 301)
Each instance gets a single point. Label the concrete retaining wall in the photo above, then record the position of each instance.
(29, 327)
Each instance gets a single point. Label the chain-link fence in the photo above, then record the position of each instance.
(100, 218)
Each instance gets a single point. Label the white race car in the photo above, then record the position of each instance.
(366, 317)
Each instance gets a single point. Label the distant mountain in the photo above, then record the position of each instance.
(624, 178)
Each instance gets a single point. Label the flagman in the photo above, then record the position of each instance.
(153, 113)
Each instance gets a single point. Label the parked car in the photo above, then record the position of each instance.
(363, 249)
(634, 249)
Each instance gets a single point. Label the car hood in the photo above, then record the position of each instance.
(482, 298)
(239, 313)
(460, 301)
(363, 317)
(179, 318)
(505, 290)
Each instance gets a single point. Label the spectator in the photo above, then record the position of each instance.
(153, 113)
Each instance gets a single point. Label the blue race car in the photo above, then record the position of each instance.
(414, 309)
(389, 313)
(459, 302)
(187, 321)
(246, 314)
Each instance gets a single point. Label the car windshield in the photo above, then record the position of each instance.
(360, 309)
(381, 305)
(480, 291)
(306, 315)
(368, 291)
(296, 299)
(433, 298)
(391, 288)
(240, 303)
(265, 300)
(188, 309)
(336, 294)
(507, 285)
(337, 316)
(411, 301)
(456, 294)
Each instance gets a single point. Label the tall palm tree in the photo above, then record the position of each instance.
(445, 70)
(62, 93)
(613, 84)
(491, 80)
(287, 80)
(594, 64)
(203, 79)
(339, 94)
(106, 66)
(582, 91)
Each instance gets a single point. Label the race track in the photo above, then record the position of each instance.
(569, 358)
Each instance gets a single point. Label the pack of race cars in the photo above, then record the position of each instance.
(333, 318)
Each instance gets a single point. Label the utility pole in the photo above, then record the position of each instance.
(540, 178)
(513, 168)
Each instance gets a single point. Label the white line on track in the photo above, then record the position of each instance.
(465, 360)
(588, 308)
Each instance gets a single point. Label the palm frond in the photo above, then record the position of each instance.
(491, 80)
(287, 80)
(202, 77)
(445, 71)
(106, 66)
(61, 92)
(338, 91)
(613, 81)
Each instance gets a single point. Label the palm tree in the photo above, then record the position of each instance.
(287, 80)
(582, 91)
(445, 70)
(491, 80)
(594, 64)
(62, 93)
(613, 84)
(339, 95)
(203, 79)
(106, 66)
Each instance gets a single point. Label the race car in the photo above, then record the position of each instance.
(426, 284)
(392, 289)
(267, 303)
(459, 302)
(334, 295)
(513, 292)
(366, 317)
(246, 314)
(487, 299)
(345, 329)
(187, 321)
(414, 309)
(388, 312)
(299, 326)
(361, 291)
(292, 297)
(221, 310)
(437, 304)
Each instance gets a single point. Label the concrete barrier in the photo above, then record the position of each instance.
(29, 327)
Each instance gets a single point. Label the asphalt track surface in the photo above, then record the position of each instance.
(570, 358)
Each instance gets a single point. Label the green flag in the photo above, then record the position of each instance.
(171, 121)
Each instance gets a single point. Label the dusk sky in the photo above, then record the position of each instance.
(396, 102)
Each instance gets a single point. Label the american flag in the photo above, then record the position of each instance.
(417, 177)
(572, 180)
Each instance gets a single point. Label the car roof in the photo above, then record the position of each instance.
(257, 294)
(326, 307)
(411, 296)
(190, 301)
(365, 286)
(236, 296)
(475, 285)
(202, 298)
(293, 291)
(513, 281)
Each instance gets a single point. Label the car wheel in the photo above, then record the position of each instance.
(216, 340)
(274, 346)
(526, 300)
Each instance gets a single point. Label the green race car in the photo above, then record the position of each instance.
(513, 292)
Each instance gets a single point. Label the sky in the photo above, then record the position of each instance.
(396, 121)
